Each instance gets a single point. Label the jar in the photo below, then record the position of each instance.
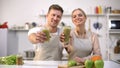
(26, 26)
(117, 49)
(19, 60)
(30, 54)
(108, 9)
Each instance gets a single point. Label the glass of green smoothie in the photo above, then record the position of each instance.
(66, 31)
(47, 32)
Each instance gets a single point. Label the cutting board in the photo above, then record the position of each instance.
(66, 66)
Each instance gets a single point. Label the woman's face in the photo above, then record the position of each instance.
(78, 17)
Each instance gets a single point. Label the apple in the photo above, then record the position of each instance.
(72, 63)
(89, 64)
(99, 64)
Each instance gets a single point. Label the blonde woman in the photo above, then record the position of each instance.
(83, 44)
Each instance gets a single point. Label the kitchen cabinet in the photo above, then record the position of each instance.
(113, 36)
(8, 42)
(21, 38)
(14, 42)
(3, 42)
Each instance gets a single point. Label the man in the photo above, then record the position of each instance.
(51, 50)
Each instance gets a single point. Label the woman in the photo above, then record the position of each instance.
(83, 44)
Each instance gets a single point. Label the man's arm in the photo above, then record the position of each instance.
(32, 38)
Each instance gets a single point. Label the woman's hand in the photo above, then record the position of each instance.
(62, 37)
(40, 37)
(67, 46)
(79, 60)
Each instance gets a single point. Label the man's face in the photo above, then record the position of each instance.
(54, 17)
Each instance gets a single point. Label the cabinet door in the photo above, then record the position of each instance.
(3, 42)
(114, 35)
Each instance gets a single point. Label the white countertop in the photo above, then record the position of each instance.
(53, 64)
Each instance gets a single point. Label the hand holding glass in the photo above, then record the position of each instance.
(66, 31)
(47, 32)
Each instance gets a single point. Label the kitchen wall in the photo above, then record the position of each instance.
(18, 12)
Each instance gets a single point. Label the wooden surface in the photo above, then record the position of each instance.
(65, 66)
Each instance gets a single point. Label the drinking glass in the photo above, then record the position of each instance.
(47, 32)
(66, 31)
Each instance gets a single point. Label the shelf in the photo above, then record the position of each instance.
(114, 14)
(114, 31)
(86, 14)
(96, 14)
(25, 58)
(19, 29)
(43, 15)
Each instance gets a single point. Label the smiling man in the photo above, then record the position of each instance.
(52, 49)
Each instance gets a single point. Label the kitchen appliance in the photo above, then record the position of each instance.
(30, 54)
(114, 24)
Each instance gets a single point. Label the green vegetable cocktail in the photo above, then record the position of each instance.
(66, 31)
(46, 31)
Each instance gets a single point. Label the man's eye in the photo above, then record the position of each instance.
(53, 14)
(59, 16)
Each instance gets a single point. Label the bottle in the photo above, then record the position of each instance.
(117, 47)
(19, 60)
(96, 10)
(26, 26)
(99, 10)
(109, 9)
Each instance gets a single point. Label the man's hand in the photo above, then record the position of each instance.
(40, 37)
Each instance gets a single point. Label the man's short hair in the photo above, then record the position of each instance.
(56, 7)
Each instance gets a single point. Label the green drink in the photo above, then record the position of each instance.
(46, 31)
(66, 31)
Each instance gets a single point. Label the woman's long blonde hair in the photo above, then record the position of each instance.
(80, 10)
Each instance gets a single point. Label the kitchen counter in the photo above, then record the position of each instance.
(53, 64)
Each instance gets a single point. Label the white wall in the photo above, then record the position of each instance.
(21, 11)
(3, 42)
(18, 12)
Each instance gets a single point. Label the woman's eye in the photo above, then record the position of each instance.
(74, 16)
(80, 15)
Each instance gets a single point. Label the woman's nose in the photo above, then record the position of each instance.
(77, 17)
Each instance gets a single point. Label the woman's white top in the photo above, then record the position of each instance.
(84, 47)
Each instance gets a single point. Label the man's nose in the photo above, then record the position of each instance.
(55, 17)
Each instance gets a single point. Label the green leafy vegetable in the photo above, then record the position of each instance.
(8, 60)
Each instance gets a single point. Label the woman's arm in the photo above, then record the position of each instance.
(96, 46)
(96, 49)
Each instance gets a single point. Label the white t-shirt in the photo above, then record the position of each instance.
(51, 50)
